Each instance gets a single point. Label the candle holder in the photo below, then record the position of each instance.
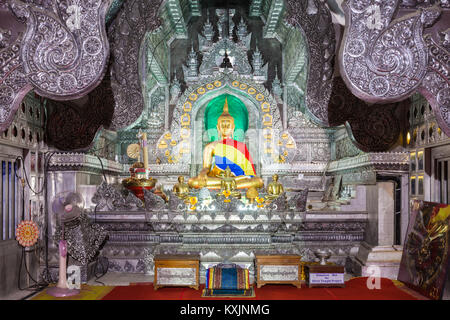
(323, 255)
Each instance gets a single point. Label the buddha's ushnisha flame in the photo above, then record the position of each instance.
(225, 113)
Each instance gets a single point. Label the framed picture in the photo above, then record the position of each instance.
(426, 253)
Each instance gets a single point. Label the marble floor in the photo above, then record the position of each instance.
(120, 279)
(17, 295)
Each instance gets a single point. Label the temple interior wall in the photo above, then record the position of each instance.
(357, 205)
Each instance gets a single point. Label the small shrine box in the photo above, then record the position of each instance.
(325, 276)
(278, 269)
(176, 270)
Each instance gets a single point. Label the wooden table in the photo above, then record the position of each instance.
(176, 270)
(278, 269)
(325, 276)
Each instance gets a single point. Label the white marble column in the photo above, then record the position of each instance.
(378, 251)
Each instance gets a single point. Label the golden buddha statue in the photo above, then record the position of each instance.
(181, 189)
(228, 184)
(252, 194)
(226, 152)
(274, 189)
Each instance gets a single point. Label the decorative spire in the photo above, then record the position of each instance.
(205, 40)
(175, 89)
(208, 30)
(191, 69)
(241, 30)
(259, 67)
(276, 85)
(192, 62)
(231, 13)
(257, 62)
(221, 24)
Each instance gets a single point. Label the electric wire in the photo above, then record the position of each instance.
(37, 286)
(26, 177)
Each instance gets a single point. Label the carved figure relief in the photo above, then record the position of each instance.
(314, 18)
(135, 19)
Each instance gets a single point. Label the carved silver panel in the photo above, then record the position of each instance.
(84, 239)
(65, 50)
(278, 273)
(115, 197)
(435, 86)
(382, 60)
(214, 56)
(176, 276)
(13, 82)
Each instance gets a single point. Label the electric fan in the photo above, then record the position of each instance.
(67, 206)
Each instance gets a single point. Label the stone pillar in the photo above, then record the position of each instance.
(378, 251)
(386, 212)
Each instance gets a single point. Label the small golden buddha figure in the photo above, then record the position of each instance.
(251, 194)
(226, 152)
(181, 189)
(274, 189)
(228, 184)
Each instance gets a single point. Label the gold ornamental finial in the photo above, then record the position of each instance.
(225, 107)
(225, 113)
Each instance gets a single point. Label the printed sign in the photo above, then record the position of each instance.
(326, 278)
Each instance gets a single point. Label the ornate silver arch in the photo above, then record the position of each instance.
(175, 146)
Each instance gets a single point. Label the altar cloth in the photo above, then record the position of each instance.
(235, 155)
(227, 278)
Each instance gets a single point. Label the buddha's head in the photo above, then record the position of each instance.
(275, 177)
(180, 179)
(225, 123)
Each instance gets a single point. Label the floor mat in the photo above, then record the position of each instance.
(87, 292)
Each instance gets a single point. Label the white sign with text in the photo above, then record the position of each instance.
(326, 278)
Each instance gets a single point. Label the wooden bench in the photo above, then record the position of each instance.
(176, 270)
(278, 269)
